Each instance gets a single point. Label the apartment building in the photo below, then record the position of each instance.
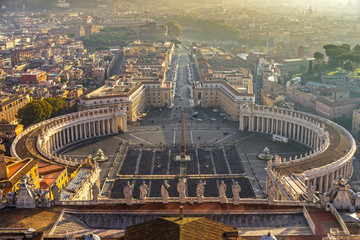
(135, 98)
(223, 95)
(9, 107)
(336, 109)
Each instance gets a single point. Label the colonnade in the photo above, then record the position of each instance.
(62, 131)
(304, 133)
(71, 128)
(324, 182)
(284, 123)
(67, 134)
(306, 129)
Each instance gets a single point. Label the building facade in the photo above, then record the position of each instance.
(10, 107)
(221, 94)
(135, 99)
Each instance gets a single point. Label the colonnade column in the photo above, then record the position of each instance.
(76, 132)
(63, 137)
(89, 129)
(298, 132)
(262, 124)
(68, 134)
(72, 134)
(108, 125)
(321, 184)
(326, 182)
(81, 132)
(93, 123)
(98, 126)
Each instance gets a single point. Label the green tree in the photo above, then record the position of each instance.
(348, 66)
(58, 105)
(174, 28)
(357, 49)
(31, 113)
(318, 56)
(108, 58)
(47, 109)
(310, 68)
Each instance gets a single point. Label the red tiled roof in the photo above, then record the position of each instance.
(49, 169)
(17, 170)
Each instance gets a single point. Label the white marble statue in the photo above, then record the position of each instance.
(143, 192)
(165, 192)
(236, 189)
(222, 192)
(128, 189)
(200, 191)
(181, 188)
(310, 191)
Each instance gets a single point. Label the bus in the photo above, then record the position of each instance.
(279, 138)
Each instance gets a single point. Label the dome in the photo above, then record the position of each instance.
(92, 237)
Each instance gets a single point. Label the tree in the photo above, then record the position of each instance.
(318, 56)
(40, 110)
(261, 49)
(58, 105)
(357, 49)
(174, 28)
(310, 68)
(30, 113)
(47, 109)
(108, 58)
(348, 66)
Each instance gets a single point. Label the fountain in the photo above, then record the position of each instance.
(100, 156)
(265, 155)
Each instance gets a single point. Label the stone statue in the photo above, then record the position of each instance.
(95, 192)
(236, 189)
(222, 192)
(357, 201)
(143, 192)
(128, 193)
(324, 199)
(55, 192)
(272, 193)
(25, 196)
(10, 199)
(165, 192)
(181, 188)
(43, 199)
(277, 160)
(200, 191)
(310, 191)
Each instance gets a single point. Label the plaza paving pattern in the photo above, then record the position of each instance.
(217, 148)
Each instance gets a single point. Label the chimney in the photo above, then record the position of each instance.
(181, 213)
(3, 168)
